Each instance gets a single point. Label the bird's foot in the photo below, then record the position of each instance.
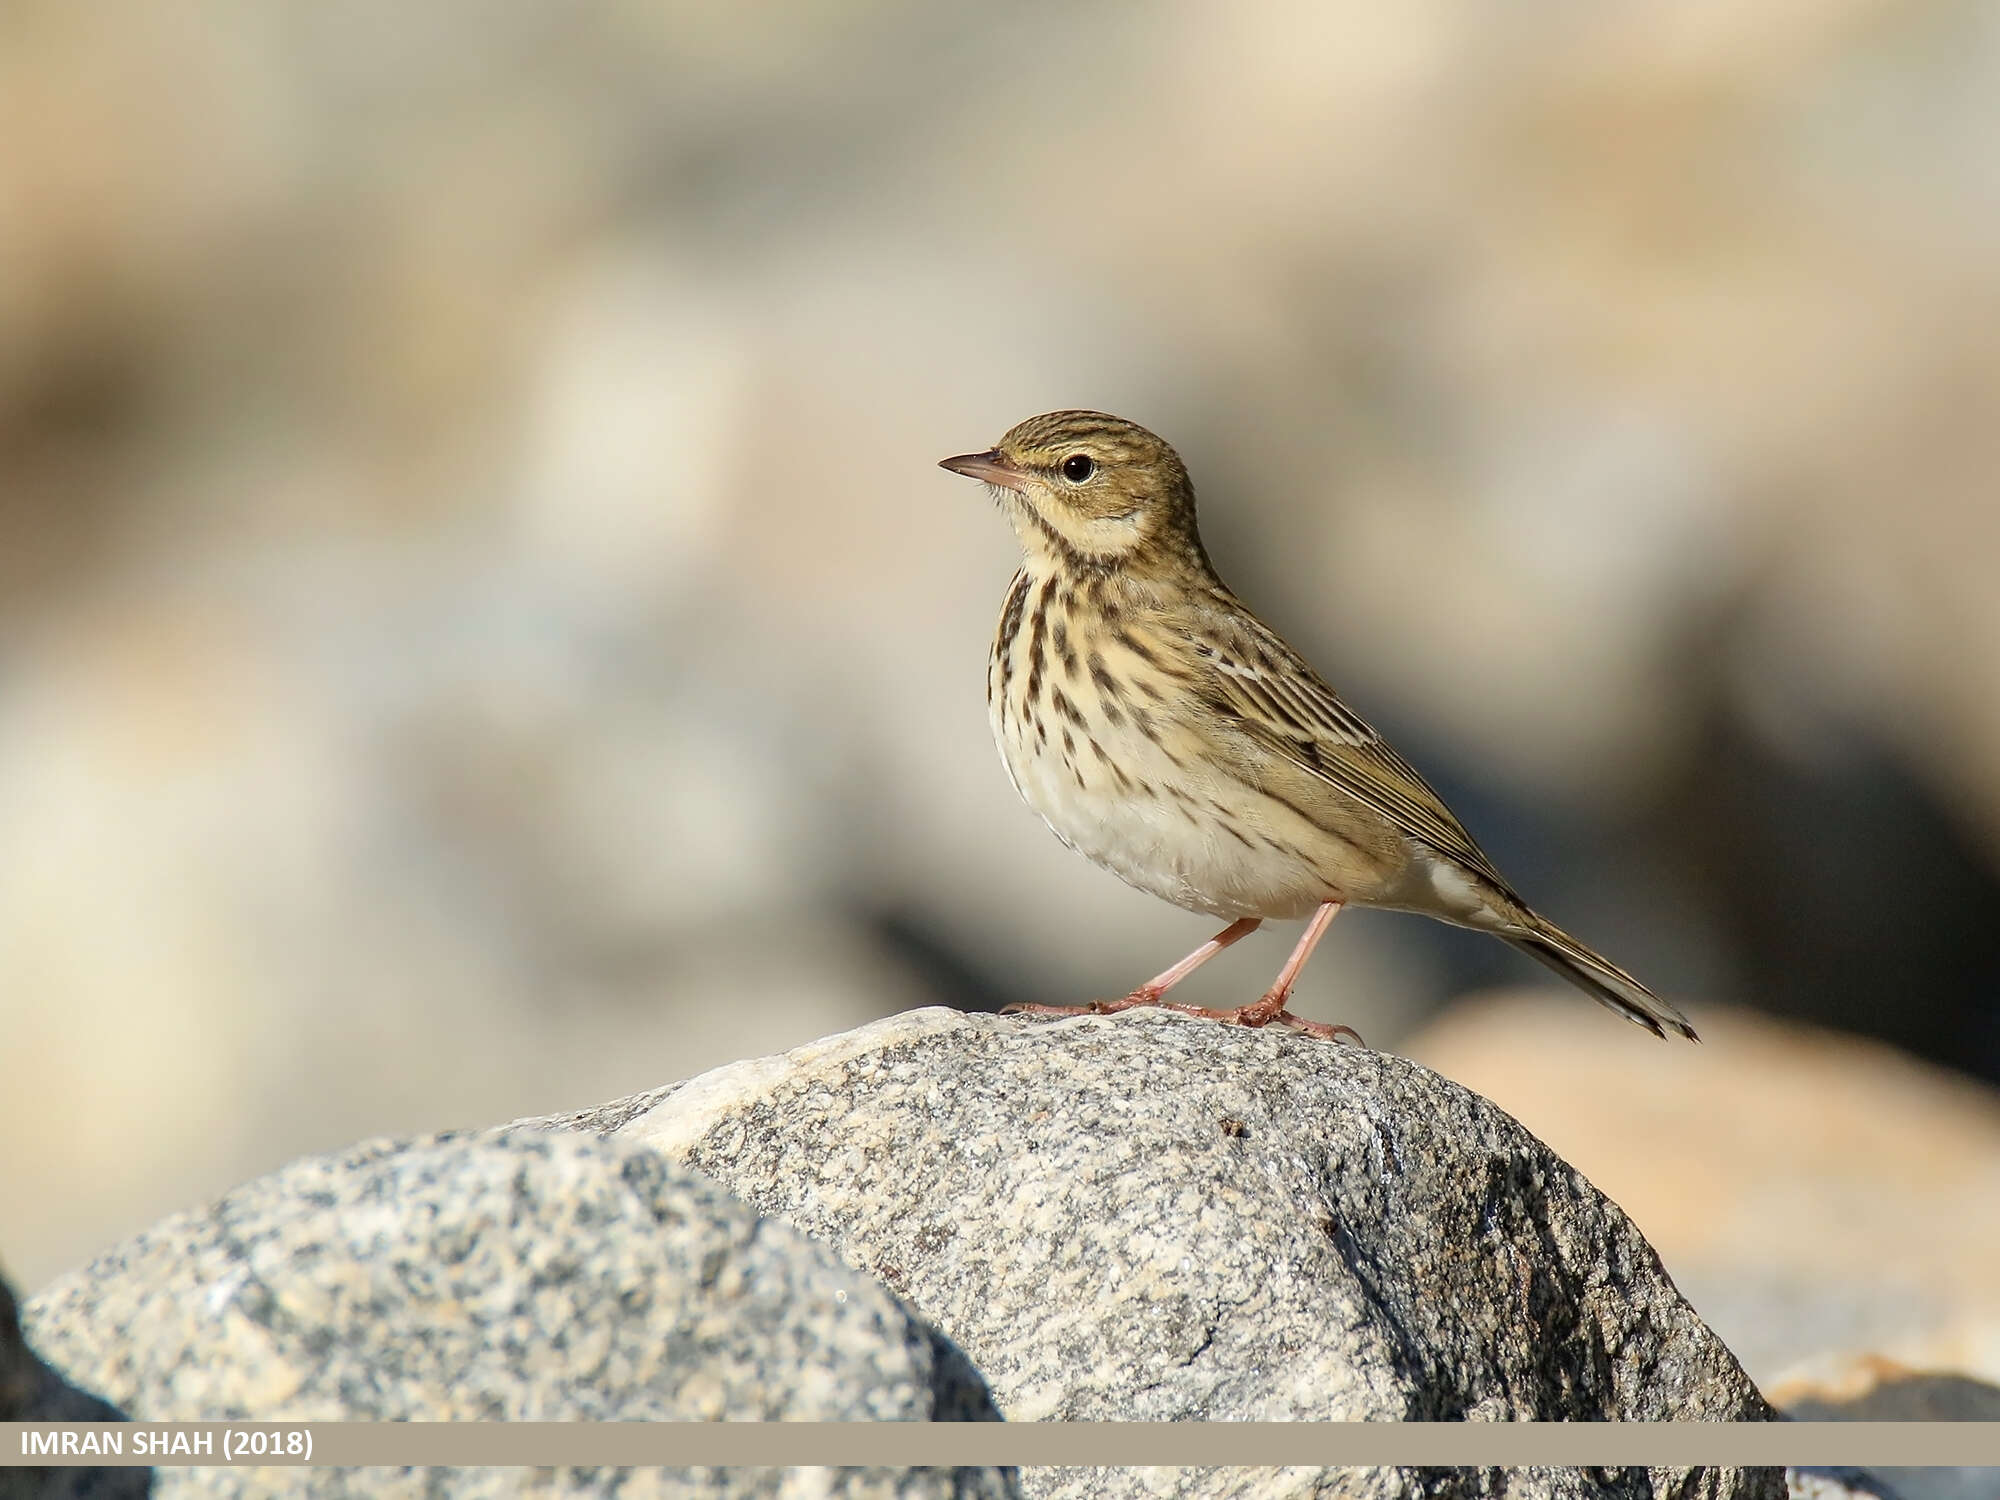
(1270, 1011)
(1265, 1012)
(1144, 995)
(1325, 1031)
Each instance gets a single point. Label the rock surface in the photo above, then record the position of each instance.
(530, 1277)
(1146, 1217)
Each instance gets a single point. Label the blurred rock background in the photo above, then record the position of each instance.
(481, 631)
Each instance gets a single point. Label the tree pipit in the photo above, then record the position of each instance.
(1165, 732)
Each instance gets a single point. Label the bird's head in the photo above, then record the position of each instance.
(1090, 492)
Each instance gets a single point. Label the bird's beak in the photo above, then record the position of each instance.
(989, 467)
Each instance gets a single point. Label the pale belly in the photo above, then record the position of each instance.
(1210, 848)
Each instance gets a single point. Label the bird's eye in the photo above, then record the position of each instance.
(1078, 467)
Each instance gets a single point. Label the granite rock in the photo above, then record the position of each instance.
(1147, 1217)
(530, 1277)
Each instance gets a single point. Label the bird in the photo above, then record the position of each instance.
(1165, 732)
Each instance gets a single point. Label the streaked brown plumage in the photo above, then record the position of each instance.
(1164, 731)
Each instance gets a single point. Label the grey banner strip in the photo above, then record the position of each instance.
(1028, 1444)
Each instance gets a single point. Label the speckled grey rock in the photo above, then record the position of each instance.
(529, 1277)
(1151, 1217)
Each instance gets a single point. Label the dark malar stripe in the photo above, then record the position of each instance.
(1073, 561)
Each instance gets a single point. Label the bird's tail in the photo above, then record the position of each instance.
(1598, 977)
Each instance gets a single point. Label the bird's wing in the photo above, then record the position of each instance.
(1284, 707)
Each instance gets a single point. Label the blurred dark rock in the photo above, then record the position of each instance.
(1872, 1389)
(1841, 886)
(1146, 1217)
(32, 1391)
(1892, 1393)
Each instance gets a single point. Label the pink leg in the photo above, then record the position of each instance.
(1275, 997)
(1149, 993)
(1159, 984)
(1272, 1006)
